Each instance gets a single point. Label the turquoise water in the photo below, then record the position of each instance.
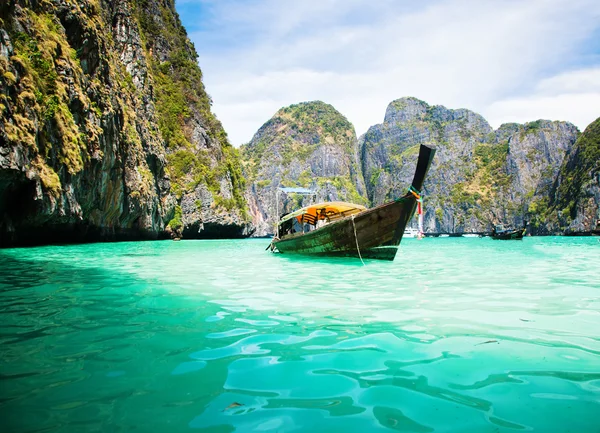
(455, 335)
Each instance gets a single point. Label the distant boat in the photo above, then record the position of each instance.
(350, 229)
(500, 233)
(445, 235)
(470, 235)
(596, 231)
(410, 232)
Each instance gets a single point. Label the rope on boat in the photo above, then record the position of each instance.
(414, 191)
(356, 239)
(417, 194)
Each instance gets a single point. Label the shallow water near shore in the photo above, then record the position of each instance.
(455, 335)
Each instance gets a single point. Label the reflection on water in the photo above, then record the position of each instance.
(466, 335)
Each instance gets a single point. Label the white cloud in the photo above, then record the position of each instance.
(577, 81)
(505, 59)
(580, 109)
(572, 96)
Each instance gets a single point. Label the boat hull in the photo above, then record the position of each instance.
(375, 234)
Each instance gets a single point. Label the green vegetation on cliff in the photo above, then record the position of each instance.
(296, 132)
(581, 169)
(485, 186)
(294, 135)
(180, 95)
(309, 144)
(319, 121)
(42, 102)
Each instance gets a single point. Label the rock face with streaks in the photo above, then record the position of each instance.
(106, 131)
(309, 145)
(479, 176)
(535, 153)
(575, 198)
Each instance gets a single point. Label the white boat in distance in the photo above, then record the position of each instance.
(410, 232)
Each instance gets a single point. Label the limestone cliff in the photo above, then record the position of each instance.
(575, 198)
(307, 145)
(479, 176)
(535, 153)
(106, 131)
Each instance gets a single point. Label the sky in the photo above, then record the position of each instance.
(509, 60)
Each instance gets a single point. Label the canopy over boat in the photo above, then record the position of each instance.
(328, 210)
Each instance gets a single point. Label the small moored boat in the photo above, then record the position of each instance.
(410, 232)
(346, 229)
(500, 233)
(596, 231)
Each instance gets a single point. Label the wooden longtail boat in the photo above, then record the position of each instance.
(505, 235)
(352, 230)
